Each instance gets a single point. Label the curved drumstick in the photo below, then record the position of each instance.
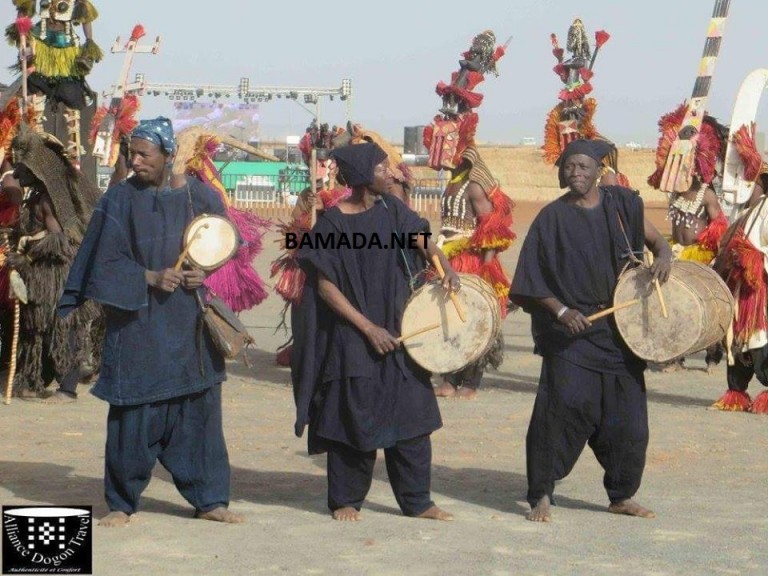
(419, 331)
(180, 261)
(452, 294)
(662, 303)
(612, 309)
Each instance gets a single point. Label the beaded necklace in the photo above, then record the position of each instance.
(453, 211)
(687, 212)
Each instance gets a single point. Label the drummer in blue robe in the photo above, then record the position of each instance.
(591, 388)
(354, 385)
(161, 377)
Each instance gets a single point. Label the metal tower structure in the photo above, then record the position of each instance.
(250, 94)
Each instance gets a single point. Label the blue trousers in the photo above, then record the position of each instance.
(409, 466)
(575, 406)
(185, 434)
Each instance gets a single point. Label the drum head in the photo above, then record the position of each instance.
(455, 344)
(212, 241)
(698, 303)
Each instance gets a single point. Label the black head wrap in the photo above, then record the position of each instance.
(356, 162)
(595, 149)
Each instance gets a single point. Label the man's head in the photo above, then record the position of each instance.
(580, 164)
(363, 165)
(152, 150)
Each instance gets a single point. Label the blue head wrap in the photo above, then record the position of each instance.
(159, 131)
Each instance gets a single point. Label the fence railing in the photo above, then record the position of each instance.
(271, 197)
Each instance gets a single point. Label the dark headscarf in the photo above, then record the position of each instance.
(595, 149)
(159, 131)
(356, 162)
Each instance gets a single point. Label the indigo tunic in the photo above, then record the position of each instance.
(344, 390)
(151, 348)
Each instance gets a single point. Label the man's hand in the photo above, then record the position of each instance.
(381, 340)
(661, 268)
(451, 280)
(575, 321)
(166, 280)
(193, 279)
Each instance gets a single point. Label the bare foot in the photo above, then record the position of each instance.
(435, 513)
(445, 390)
(347, 514)
(541, 512)
(114, 519)
(466, 393)
(631, 508)
(221, 514)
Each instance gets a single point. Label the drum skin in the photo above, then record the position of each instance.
(216, 242)
(455, 344)
(699, 304)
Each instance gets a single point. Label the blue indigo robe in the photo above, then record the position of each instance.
(151, 347)
(344, 390)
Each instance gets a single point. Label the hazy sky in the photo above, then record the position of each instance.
(396, 51)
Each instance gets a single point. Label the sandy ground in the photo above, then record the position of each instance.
(705, 477)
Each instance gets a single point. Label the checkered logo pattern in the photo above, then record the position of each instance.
(46, 532)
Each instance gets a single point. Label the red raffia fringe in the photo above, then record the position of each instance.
(125, 122)
(494, 231)
(708, 147)
(760, 405)
(747, 280)
(710, 237)
(236, 283)
(551, 147)
(733, 401)
(744, 141)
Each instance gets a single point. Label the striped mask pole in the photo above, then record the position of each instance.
(679, 167)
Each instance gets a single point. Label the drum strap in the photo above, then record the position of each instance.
(632, 258)
(413, 281)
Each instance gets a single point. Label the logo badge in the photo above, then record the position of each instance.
(47, 540)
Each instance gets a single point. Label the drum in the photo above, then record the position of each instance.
(210, 241)
(699, 305)
(455, 344)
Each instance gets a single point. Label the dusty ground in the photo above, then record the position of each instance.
(705, 478)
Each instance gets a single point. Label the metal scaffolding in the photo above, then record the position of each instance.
(251, 94)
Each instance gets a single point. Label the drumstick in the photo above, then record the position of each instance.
(612, 309)
(419, 331)
(452, 294)
(657, 287)
(663, 304)
(180, 261)
(313, 186)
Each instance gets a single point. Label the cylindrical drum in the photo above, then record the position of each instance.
(699, 305)
(455, 344)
